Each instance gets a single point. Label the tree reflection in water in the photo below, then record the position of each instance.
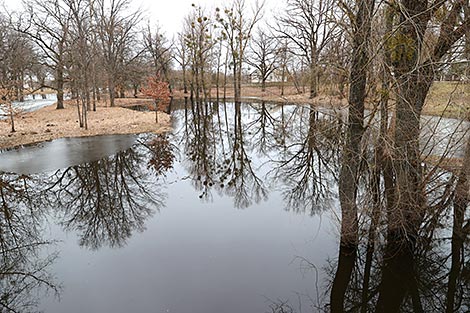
(218, 154)
(243, 151)
(410, 266)
(308, 164)
(107, 200)
(426, 270)
(23, 269)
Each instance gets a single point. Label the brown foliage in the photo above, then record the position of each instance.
(156, 89)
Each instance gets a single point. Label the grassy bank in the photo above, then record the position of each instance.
(48, 123)
(450, 99)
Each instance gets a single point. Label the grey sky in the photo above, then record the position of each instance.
(169, 14)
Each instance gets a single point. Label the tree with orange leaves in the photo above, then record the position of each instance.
(157, 90)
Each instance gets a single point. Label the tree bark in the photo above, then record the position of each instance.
(351, 157)
(60, 87)
(111, 87)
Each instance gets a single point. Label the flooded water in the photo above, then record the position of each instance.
(63, 153)
(236, 210)
(32, 104)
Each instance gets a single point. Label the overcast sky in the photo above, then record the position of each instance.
(169, 14)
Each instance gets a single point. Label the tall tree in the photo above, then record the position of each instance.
(351, 156)
(116, 30)
(80, 54)
(263, 56)
(308, 25)
(159, 50)
(415, 60)
(238, 26)
(47, 24)
(199, 43)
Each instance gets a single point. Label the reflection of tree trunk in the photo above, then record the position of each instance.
(458, 237)
(375, 185)
(346, 260)
(398, 273)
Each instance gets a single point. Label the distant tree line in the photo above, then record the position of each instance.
(95, 49)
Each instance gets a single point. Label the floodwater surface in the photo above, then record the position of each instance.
(62, 153)
(236, 210)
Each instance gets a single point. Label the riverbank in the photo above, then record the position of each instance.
(48, 123)
(445, 98)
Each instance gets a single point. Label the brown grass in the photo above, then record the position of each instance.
(48, 123)
(273, 94)
(450, 99)
(445, 98)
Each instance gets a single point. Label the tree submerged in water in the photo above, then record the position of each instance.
(158, 90)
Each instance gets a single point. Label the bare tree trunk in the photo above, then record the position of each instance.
(94, 96)
(185, 84)
(313, 76)
(351, 158)
(283, 78)
(236, 93)
(60, 87)
(87, 91)
(80, 120)
(111, 91)
(156, 111)
(12, 119)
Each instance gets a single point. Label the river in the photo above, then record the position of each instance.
(235, 210)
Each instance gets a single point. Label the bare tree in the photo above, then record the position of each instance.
(115, 32)
(159, 50)
(238, 26)
(80, 55)
(308, 25)
(263, 56)
(180, 55)
(352, 153)
(199, 42)
(47, 24)
(415, 59)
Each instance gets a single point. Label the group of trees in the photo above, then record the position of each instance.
(88, 49)
(229, 44)
(309, 43)
(389, 53)
(402, 190)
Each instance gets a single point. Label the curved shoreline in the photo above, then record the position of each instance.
(47, 124)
